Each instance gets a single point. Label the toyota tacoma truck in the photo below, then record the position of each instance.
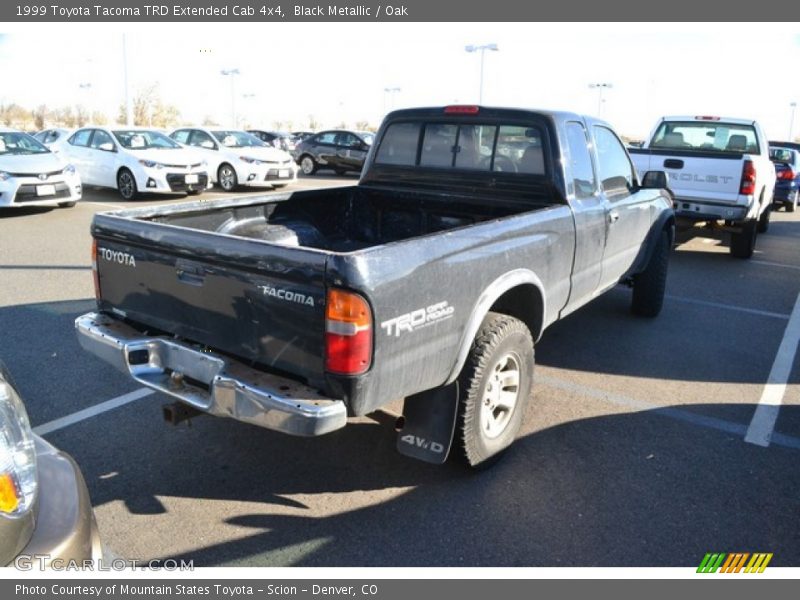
(470, 231)
(719, 171)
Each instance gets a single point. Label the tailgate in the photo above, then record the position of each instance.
(258, 301)
(715, 177)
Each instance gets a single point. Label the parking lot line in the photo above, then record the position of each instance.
(92, 411)
(671, 412)
(774, 264)
(766, 414)
(744, 309)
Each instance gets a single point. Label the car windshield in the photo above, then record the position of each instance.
(237, 139)
(137, 139)
(12, 142)
(705, 136)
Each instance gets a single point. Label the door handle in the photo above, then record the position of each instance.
(613, 217)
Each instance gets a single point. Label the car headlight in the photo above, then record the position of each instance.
(69, 169)
(249, 160)
(4, 176)
(151, 164)
(18, 478)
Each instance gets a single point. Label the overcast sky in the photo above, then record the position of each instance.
(339, 71)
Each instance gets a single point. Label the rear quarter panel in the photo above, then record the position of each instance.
(450, 276)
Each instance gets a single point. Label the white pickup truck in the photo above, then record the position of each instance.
(719, 172)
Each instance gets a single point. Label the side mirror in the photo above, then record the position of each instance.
(208, 144)
(655, 180)
(107, 147)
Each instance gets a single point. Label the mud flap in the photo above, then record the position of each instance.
(430, 422)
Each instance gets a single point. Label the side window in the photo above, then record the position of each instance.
(81, 138)
(580, 162)
(438, 144)
(346, 139)
(399, 145)
(181, 136)
(326, 138)
(613, 165)
(99, 138)
(202, 139)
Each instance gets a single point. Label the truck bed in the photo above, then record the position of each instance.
(341, 219)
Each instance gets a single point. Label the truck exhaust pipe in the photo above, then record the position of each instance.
(177, 412)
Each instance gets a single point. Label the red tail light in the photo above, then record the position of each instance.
(787, 174)
(460, 109)
(95, 276)
(348, 333)
(748, 186)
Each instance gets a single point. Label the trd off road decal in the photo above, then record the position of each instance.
(417, 319)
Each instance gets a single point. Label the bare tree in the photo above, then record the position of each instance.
(150, 110)
(209, 121)
(81, 115)
(362, 125)
(278, 125)
(313, 124)
(41, 115)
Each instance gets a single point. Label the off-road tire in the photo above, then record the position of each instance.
(500, 341)
(649, 285)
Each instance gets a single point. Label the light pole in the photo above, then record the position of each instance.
(600, 87)
(391, 91)
(128, 99)
(87, 87)
(791, 120)
(482, 49)
(246, 97)
(232, 73)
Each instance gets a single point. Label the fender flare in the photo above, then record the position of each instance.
(497, 288)
(664, 222)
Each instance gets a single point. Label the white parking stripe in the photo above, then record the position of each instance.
(766, 414)
(90, 412)
(774, 264)
(744, 309)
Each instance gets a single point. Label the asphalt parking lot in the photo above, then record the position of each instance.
(632, 454)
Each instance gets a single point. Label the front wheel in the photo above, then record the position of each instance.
(744, 243)
(126, 185)
(226, 177)
(649, 285)
(495, 387)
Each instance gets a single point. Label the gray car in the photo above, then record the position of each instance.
(45, 512)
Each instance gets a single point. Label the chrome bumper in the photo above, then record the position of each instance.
(210, 382)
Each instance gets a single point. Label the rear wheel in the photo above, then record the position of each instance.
(66, 204)
(193, 192)
(744, 243)
(650, 284)
(126, 185)
(495, 388)
(226, 177)
(763, 221)
(792, 205)
(308, 165)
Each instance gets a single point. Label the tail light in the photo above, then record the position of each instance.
(786, 174)
(748, 186)
(95, 275)
(348, 333)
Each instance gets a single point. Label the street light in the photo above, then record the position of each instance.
(391, 91)
(246, 97)
(791, 120)
(482, 49)
(232, 73)
(600, 87)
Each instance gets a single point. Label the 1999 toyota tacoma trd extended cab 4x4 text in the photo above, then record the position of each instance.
(471, 230)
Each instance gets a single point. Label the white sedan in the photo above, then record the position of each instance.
(32, 175)
(135, 160)
(238, 158)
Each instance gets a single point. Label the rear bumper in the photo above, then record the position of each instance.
(210, 382)
(697, 210)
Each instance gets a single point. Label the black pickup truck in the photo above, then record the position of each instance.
(471, 230)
